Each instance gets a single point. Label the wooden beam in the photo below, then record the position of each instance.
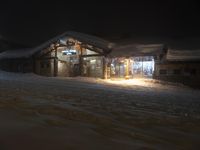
(92, 55)
(81, 61)
(93, 49)
(55, 63)
(46, 53)
(49, 49)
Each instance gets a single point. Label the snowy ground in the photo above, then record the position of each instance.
(86, 113)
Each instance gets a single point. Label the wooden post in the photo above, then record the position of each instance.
(104, 68)
(127, 69)
(55, 63)
(142, 68)
(81, 61)
(33, 64)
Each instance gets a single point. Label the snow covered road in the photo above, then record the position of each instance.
(86, 113)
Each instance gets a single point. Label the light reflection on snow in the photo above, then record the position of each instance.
(138, 82)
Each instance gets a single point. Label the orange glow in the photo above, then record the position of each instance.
(131, 82)
(127, 69)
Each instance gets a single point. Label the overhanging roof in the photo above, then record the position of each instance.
(20, 53)
(136, 50)
(183, 55)
(84, 38)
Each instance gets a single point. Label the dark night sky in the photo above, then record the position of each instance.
(33, 22)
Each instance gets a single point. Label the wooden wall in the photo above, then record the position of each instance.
(187, 73)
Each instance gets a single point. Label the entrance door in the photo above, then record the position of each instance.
(76, 70)
(143, 66)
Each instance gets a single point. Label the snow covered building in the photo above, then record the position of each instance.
(78, 54)
(179, 66)
(69, 54)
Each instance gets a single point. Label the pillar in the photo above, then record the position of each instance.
(127, 69)
(55, 63)
(81, 62)
(104, 68)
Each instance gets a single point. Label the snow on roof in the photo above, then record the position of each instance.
(183, 55)
(92, 40)
(22, 53)
(84, 38)
(136, 50)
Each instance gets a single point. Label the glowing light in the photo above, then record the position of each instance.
(132, 82)
(127, 69)
(93, 60)
(69, 52)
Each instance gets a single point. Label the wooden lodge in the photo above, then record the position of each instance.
(76, 54)
(70, 54)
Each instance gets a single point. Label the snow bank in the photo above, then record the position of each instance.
(89, 113)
